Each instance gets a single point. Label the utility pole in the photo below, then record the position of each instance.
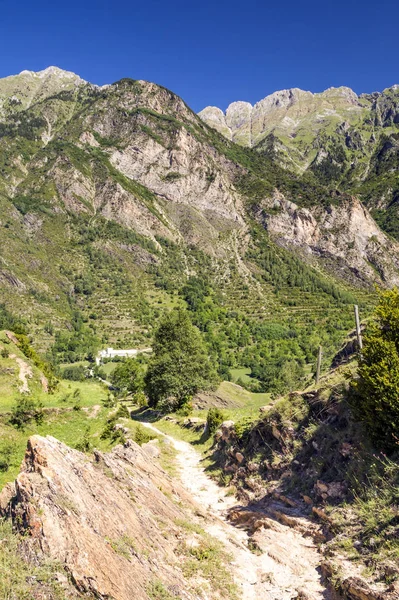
(319, 357)
(358, 331)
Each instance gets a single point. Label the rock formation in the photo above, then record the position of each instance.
(110, 521)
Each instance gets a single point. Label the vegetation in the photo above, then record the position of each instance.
(214, 419)
(26, 410)
(20, 580)
(127, 377)
(180, 366)
(376, 397)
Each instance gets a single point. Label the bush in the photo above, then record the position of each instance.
(76, 373)
(142, 436)
(7, 451)
(376, 391)
(214, 419)
(25, 411)
(85, 445)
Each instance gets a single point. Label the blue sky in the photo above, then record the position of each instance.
(209, 52)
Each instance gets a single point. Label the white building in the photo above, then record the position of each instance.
(111, 353)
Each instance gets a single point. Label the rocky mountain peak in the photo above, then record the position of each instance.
(51, 71)
(33, 86)
(248, 125)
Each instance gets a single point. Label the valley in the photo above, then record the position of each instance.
(166, 281)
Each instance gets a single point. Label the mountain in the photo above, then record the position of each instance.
(343, 140)
(117, 204)
(289, 113)
(113, 199)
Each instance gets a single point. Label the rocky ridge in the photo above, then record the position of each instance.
(110, 521)
(248, 124)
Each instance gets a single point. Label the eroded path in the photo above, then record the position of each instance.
(288, 566)
(25, 373)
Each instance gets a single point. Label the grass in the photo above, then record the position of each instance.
(240, 402)
(109, 367)
(206, 558)
(91, 393)
(66, 424)
(157, 591)
(243, 374)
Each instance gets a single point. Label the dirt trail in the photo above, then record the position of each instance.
(287, 568)
(25, 373)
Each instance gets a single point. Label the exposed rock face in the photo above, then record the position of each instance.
(110, 521)
(285, 109)
(345, 237)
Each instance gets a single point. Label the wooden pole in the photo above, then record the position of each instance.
(319, 357)
(358, 330)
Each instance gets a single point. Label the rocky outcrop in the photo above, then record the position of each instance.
(344, 237)
(110, 521)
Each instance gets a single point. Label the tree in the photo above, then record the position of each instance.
(128, 376)
(180, 366)
(376, 390)
(25, 410)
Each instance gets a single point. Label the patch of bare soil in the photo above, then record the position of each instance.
(25, 373)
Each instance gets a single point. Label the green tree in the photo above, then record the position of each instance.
(180, 366)
(376, 390)
(128, 376)
(25, 410)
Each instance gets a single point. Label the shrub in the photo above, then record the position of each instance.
(76, 373)
(7, 450)
(85, 445)
(376, 391)
(214, 419)
(26, 410)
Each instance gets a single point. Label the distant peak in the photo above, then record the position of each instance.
(51, 71)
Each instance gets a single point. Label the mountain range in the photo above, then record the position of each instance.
(112, 197)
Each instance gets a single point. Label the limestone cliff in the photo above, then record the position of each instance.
(345, 237)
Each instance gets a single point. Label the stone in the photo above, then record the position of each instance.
(79, 511)
(239, 457)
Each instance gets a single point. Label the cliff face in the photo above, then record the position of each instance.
(110, 521)
(345, 237)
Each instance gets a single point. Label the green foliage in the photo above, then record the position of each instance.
(128, 376)
(76, 344)
(10, 321)
(180, 365)
(25, 411)
(376, 397)
(7, 451)
(157, 591)
(214, 419)
(85, 445)
(141, 435)
(75, 373)
(111, 431)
